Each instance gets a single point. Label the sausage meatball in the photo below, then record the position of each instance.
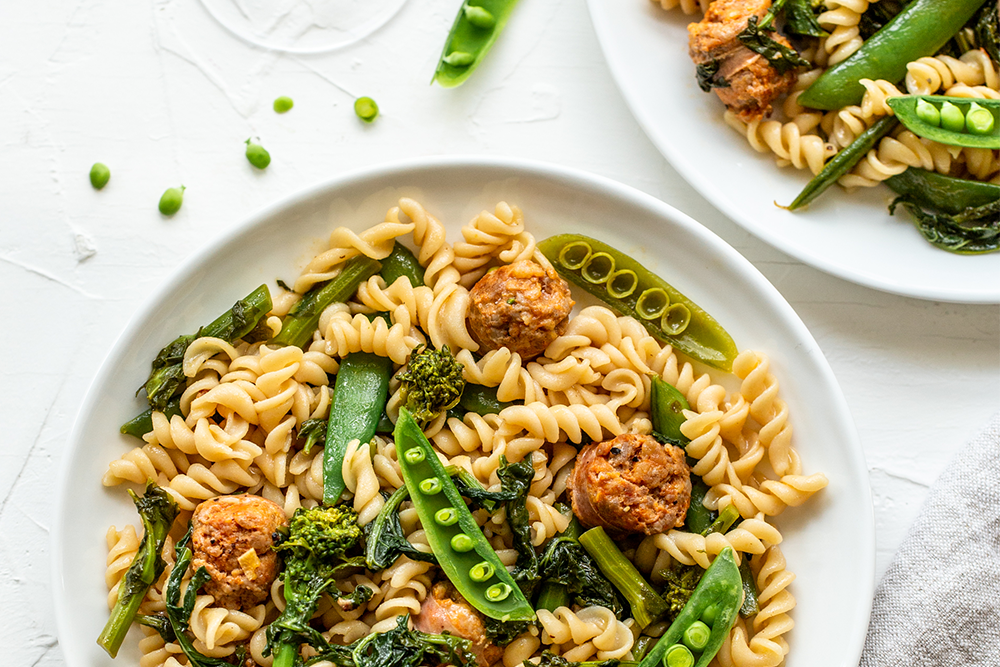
(751, 82)
(631, 484)
(232, 537)
(520, 306)
(444, 610)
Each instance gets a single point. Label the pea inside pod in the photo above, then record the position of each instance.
(476, 27)
(464, 554)
(955, 121)
(629, 288)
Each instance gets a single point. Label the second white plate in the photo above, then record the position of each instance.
(850, 235)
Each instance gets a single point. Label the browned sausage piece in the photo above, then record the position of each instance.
(444, 610)
(232, 538)
(753, 83)
(631, 484)
(520, 306)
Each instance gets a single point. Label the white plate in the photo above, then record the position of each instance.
(829, 542)
(850, 235)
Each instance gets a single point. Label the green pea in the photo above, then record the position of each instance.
(678, 655)
(479, 17)
(446, 516)
(482, 571)
(257, 155)
(498, 592)
(652, 303)
(283, 104)
(622, 283)
(415, 455)
(574, 255)
(366, 109)
(952, 118)
(928, 113)
(99, 175)
(459, 59)
(430, 486)
(462, 543)
(171, 200)
(696, 636)
(676, 319)
(710, 614)
(977, 121)
(598, 268)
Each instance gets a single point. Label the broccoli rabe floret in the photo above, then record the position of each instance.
(432, 383)
(315, 552)
(679, 584)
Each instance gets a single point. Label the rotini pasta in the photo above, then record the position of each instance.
(245, 407)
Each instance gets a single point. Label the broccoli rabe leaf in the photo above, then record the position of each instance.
(502, 633)
(384, 538)
(782, 58)
(679, 585)
(516, 478)
(400, 647)
(708, 76)
(800, 18)
(550, 659)
(974, 230)
(566, 562)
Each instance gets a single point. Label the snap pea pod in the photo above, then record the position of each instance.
(402, 262)
(946, 193)
(715, 602)
(922, 28)
(475, 29)
(919, 113)
(359, 397)
(463, 552)
(298, 326)
(142, 424)
(631, 289)
(843, 162)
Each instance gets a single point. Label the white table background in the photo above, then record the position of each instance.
(165, 96)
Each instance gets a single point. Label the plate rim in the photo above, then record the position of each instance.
(854, 451)
(731, 210)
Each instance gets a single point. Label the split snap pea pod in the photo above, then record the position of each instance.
(715, 602)
(463, 552)
(359, 397)
(955, 121)
(921, 29)
(946, 193)
(843, 162)
(631, 289)
(475, 29)
(298, 326)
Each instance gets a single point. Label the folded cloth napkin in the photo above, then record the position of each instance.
(939, 603)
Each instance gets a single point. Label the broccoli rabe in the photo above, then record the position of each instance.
(157, 510)
(432, 383)
(315, 552)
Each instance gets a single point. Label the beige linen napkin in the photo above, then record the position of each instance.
(939, 603)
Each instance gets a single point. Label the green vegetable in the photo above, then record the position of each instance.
(569, 575)
(472, 35)
(944, 193)
(919, 30)
(283, 104)
(550, 659)
(431, 383)
(359, 398)
(727, 517)
(928, 113)
(402, 647)
(982, 121)
(384, 538)
(750, 605)
(166, 378)
(987, 30)
(515, 478)
(257, 155)
(157, 510)
(952, 118)
(801, 18)
(631, 289)
(171, 200)
(481, 400)
(973, 231)
(173, 623)
(708, 77)
(715, 602)
(142, 424)
(843, 162)
(99, 175)
(667, 404)
(402, 262)
(457, 564)
(298, 326)
(756, 38)
(647, 606)
(699, 518)
(366, 109)
(313, 432)
(679, 584)
(315, 554)
(678, 655)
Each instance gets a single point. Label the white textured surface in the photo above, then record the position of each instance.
(164, 96)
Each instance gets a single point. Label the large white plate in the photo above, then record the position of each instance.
(850, 235)
(829, 542)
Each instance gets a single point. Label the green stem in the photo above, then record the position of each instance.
(114, 632)
(727, 518)
(285, 657)
(647, 605)
(552, 596)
